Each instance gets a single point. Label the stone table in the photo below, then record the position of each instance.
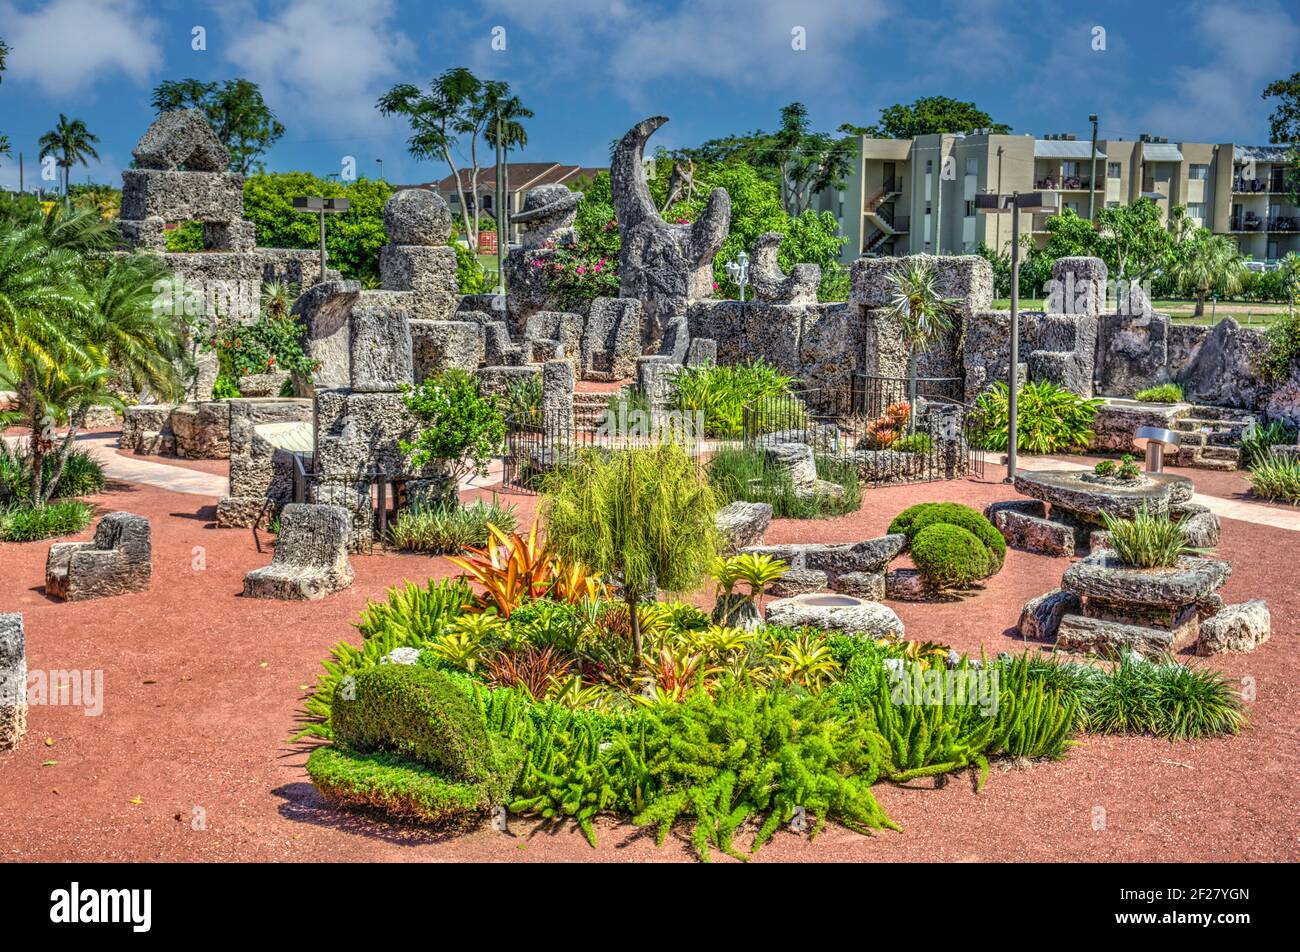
(1085, 497)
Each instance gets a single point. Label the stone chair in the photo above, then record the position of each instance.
(118, 561)
(311, 555)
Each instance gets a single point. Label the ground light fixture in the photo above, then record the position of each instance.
(992, 203)
(317, 205)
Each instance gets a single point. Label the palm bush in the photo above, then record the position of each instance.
(721, 394)
(925, 314)
(523, 400)
(82, 475)
(1049, 419)
(1148, 540)
(1256, 445)
(1277, 480)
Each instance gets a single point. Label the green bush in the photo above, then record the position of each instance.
(1277, 480)
(82, 475)
(913, 443)
(721, 394)
(743, 473)
(22, 523)
(225, 388)
(523, 400)
(1050, 419)
(1256, 448)
(912, 520)
(1164, 393)
(545, 623)
(417, 713)
(460, 428)
(949, 556)
(1169, 700)
(1148, 540)
(440, 529)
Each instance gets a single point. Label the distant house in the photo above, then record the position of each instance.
(520, 177)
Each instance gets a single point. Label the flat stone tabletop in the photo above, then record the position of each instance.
(1102, 575)
(1070, 490)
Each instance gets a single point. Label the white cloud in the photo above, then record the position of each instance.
(66, 46)
(1248, 47)
(328, 60)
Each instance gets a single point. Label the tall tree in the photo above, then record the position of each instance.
(458, 107)
(925, 116)
(70, 142)
(238, 114)
(1136, 242)
(1284, 126)
(505, 112)
(4, 55)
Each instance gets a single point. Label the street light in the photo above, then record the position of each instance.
(380, 162)
(1015, 204)
(1092, 175)
(738, 271)
(322, 207)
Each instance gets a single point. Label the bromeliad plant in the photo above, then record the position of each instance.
(514, 568)
(1050, 419)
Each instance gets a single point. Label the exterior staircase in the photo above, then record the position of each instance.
(588, 408)
(1210, 437)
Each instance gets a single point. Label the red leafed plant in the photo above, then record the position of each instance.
(889, 426)
(535, 670)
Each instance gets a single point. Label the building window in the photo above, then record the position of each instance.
(1199, 173)
(970, 209)
(1112, 170)
(973, 166)
(1196, 210)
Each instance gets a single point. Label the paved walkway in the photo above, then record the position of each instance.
(1241, 509)
(127, 469)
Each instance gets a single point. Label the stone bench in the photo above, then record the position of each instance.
(118, 561)
(311, 555)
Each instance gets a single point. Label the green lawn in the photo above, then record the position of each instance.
(1245, 312)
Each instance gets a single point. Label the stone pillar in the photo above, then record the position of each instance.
(13, 681)
(702, 352)
(557, 396)
(1078, 286)
(653, 377)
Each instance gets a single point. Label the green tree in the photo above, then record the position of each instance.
(352, 239)
(238, 114)
(1284, 126)
(457, 107)
(642, 516)
(1208, 262)
(460, 428)
(1135, 241)
(925, 116)
(70, 142)
(923, 312)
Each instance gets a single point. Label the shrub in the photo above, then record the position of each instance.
(225, 388)
(1163, 393)
(1169, 700)
(1255, 447)
(441, 528)
(24, 523)
(911, 521)
(948, 556)
(1148, 540)
(460, 428)
(82, 474)
(546, 623)
(913, 443)
(743, 473)
(523, 400)
(1107, 467)
(1277, 480)
(1050, 419)
(721, 394)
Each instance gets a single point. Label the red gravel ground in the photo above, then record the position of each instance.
(201, 688)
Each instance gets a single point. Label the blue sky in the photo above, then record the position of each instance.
(590, 68)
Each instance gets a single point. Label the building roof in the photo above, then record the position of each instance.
(521, 176)
(1065, 149)
(1262, 153)
(1161, 152)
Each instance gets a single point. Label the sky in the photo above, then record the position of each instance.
(589, 69)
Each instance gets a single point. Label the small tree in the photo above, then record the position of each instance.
(462, 429)
(1208, 262)
(643, 516)
(924, 313)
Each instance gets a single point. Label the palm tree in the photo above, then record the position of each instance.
(71, 143)
(1208, 262)
(504, 112)
(923, 312)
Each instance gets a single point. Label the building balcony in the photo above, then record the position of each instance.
(1272, 186)
(1280, 223)
(1070, 184)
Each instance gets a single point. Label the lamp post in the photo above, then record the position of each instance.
(503, 226)
(317, 205)
(738, 271)
(1015, 204)
(380, 163)
(1092, 175)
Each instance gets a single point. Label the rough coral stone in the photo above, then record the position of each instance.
(742, 524)
(869, 619)
(1241, 627)
(417, 216)
(1041, 616)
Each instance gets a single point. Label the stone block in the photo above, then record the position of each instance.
(429, 273)
(202, 430)
(557, 396)
(417, 216)
(1102, 576)
(742, 524)
(797, 460)
(380, 360)
(229, 236)
(148, 235)
(182, 196)
(181, 137)
(798, 582)
(1041, 616)
(446, 345)
(13, 680)
(703, 352)
(324, 311)
(611, 342)
(906, 585)
(868, 585)
(118, 561)
(311, 555)
(863, 618)
(1034, 534)
(1241, 627)
(1110, 638)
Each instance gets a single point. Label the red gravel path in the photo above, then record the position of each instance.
(201, 687)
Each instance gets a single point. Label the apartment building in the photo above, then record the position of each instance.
(918, 195)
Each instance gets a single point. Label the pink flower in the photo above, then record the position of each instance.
(537, 262)
(715, 285)
(683, 221)
(581, 270)
(559, 267)
(597, 269)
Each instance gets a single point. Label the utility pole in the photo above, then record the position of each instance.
(1092, 176)
(503, 234)
(21, 188)
(1013, 410)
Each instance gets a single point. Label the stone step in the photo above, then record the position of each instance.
(1202, 462)
(1221, 452)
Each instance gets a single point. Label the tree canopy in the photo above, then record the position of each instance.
(238, 114)
(925, 116)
